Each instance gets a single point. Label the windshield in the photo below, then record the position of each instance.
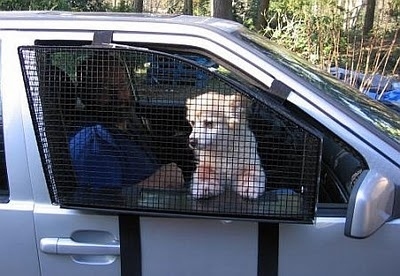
(369, 111)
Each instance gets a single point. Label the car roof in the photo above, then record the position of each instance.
(24, 19)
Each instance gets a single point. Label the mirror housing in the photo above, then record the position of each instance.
(370, 205)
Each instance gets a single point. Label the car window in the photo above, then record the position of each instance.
(4, 190)
(341, 167)
(375, 116)
(194, 140)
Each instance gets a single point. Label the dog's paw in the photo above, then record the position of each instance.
(205, 188)
(206, 182)
(251, 184)
(251, 191)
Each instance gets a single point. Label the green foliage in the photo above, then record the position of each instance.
(14, 5)
(242, 13)
(310, 28)
(328, 35)
(66, 5)
(201, 8)
(175, 6)
(394, 9)
(89, 5)
(123, 6)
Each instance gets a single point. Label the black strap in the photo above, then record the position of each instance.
(130, 245)
(268, 249)
(100, 37)
(280, 89)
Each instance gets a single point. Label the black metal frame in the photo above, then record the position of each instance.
(289, 148)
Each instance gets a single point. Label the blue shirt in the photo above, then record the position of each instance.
(105, 158)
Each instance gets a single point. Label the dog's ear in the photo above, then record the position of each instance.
(237, 106)
(189, 101)
(189, 109)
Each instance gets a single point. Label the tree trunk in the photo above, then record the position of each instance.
(222, 9)
(188, 7)
(261, 21)
(369, 16)
(138, 6)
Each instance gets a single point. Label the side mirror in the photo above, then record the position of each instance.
(370, 205)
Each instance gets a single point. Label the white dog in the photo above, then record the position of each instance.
(225, 147)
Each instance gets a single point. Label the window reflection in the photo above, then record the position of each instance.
(374, 115)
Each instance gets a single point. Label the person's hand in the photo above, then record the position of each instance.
(169, 176)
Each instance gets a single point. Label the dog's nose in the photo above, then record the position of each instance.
(193, 143)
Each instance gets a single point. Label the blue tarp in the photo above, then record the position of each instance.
(384, 89)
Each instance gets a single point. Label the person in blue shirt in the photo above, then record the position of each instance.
(109, 154)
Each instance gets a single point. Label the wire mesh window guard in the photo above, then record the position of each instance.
(149, 132)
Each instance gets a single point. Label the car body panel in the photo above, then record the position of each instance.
(302, 245)
(33, 216)
(18, 239)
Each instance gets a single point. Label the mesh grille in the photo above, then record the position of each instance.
(150, 132)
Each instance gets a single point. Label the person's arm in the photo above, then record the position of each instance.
(168, 176)
(94, 166)
(99, 163)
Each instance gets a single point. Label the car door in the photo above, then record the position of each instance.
(38, 237)
(16, 204)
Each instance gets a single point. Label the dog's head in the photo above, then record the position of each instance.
(214, 118)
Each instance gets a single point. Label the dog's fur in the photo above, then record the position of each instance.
(225, 147)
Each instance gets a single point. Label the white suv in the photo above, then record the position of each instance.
(329, 202)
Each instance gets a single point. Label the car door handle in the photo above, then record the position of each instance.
(67, 246)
